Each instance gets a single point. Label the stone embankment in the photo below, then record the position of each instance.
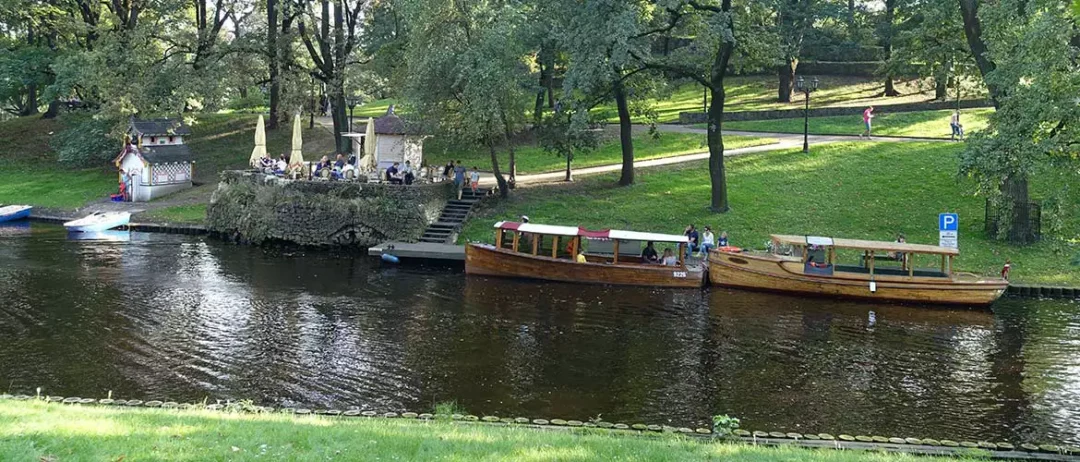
(255, 208)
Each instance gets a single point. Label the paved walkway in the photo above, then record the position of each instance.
(785, 141)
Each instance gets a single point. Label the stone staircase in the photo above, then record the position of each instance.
(445, 229)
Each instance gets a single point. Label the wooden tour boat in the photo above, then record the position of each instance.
(883, 271)
(526, 250)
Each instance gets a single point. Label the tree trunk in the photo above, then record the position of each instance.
(275, 64)
(717, 173)
(941, 88)
(504, 191)
(715, 117)
(31, 106)
(569, 171)
(852, 30)
(786, 73)
(1015, 190)
(507, 134)
(969, 10)
(626, 135)
(538, 108)
(341, 120)
(886, 46)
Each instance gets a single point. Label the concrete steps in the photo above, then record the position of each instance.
(445, 228)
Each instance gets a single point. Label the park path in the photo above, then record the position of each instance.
(785, 141)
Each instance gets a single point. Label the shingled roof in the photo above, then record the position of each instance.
(391, 124)
(160, 127)
(166, 153)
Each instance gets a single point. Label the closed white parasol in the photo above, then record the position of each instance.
(260, 144)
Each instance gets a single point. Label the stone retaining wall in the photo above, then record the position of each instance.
(689, 118)
(255, 208)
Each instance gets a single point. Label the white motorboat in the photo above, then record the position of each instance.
(98, 221)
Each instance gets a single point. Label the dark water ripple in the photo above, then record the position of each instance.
(172, 316)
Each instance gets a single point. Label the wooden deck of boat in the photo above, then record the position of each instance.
(421, 250)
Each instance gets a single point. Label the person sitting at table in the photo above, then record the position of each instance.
(322, 169)
(339, 164)
(648, 254)
(393, 174)
(407, 174)
(669, 258)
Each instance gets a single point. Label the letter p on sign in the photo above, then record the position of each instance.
(948, 222)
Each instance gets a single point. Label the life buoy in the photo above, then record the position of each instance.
(730, 249)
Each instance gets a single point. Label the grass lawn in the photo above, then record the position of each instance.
(758, 93)
(533, 159)
(375, 108)
(923, 124)
(51, 432)
(29, 173)
(854, 190)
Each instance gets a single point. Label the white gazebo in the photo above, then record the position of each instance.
(395, 140)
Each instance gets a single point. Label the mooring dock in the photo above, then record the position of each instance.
(420, 250)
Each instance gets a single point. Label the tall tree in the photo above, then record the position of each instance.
(467, 77)
(793, 19)
(331, 48)
(931, 42)
(707, 60)
(599, 36)
(1028, 56)
(886, 30)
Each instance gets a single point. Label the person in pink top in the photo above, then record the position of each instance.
(867, 116)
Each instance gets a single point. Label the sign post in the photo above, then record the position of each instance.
(948, 228)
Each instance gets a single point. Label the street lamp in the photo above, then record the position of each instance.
(353, 102)
(806, 88)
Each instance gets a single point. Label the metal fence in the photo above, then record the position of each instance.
(1034, 223)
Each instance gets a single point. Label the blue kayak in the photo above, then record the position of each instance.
(14, 212)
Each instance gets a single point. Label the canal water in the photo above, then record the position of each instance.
(156, 316)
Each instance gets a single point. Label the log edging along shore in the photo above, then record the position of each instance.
(1016, 290)
(922, 446)
(165, 228)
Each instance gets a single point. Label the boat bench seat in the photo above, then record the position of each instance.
(926, 273)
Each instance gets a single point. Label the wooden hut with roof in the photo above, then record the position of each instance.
(155, 161)
(396, 140)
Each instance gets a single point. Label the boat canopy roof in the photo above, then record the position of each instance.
(864, 245)
(588, 234)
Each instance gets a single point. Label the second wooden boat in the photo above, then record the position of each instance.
(554, 253)
(883, 271)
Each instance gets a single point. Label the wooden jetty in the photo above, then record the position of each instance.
(420, 250)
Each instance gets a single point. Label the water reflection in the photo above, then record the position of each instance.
(176, 316)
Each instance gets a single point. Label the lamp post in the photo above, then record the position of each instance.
(353, 102)
(806, 88)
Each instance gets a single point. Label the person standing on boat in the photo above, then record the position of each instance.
(648, 254)
(708, 241)
(692, 245)
(581, 257)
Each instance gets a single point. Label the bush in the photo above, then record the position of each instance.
(85, 141)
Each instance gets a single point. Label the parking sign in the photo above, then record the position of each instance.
(948, 230)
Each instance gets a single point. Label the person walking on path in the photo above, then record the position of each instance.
(474, 179)
(957, 129)
(459, 178)
(867, 117)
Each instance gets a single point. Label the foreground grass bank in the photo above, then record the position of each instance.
(38, 431)
(531, 158)
(856, 190)
(921, 124)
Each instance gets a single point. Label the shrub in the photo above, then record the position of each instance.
(85, 141)
(724, 425)
(254, 99)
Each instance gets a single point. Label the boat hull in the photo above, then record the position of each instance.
(14, 214)
(90, 225)
(771, 273)
(485, 260)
